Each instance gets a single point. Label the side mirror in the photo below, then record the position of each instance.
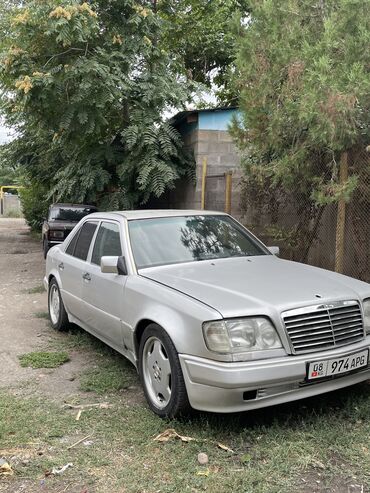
(113, 265)
(275, 250)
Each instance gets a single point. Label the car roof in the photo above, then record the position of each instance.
(156, 213)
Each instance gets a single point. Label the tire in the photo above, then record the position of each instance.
(57, 313)
(45, 247)
(161, 374)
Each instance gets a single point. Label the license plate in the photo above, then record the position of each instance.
(337, 366)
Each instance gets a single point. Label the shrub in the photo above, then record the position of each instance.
(35, 203)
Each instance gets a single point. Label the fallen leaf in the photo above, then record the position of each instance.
(5, 468)
(99, 405)
(225, 447)
(317, 463)
(166, 435)
(203, 472)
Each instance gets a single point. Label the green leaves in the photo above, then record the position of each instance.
(199, 35)
(85, 85)
(305, 89)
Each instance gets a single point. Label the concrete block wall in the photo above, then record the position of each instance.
(205, 134)
(11, 204)
(222, 156)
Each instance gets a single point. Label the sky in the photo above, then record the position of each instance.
(4, 134)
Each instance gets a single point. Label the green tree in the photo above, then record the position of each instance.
(9, 175)
(199, 35)
(85, 86)
(304, 85)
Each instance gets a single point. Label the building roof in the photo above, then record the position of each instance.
(183, 115)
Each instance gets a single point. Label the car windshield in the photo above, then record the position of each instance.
(172, 240)
(73, 214)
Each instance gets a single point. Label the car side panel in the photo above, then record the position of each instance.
(71, 270)
(103, 296)
(180, 315)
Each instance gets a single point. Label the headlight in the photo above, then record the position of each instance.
(56, 234)
(367, 316)
(241, 335)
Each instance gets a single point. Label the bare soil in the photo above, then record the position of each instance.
(21, 269)
(23, 329)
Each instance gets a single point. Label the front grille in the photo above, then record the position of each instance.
(320, 327)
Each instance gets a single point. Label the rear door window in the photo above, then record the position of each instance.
(82, 243)
(107, 243)
(71, 247)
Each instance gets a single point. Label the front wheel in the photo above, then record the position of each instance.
(161, 373)
(57, 313)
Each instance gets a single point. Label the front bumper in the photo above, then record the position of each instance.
(232, 387)
(55, 242)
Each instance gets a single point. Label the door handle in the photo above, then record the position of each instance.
(61, 266)
(86, 276)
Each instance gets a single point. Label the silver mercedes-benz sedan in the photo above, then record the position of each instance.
(209, 316)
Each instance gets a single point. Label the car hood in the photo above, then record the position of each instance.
(256, 285)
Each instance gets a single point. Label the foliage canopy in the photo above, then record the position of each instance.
(85, 86)
(303, 76)
(201, 37)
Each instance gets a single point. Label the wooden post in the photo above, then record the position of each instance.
(204, 178)
(228, 189)
(341, 217)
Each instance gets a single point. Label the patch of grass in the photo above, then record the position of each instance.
(76, 339)
(110, 375)
(35, 235)
(42, 315)
(323, 439)
(287, 448)
(44, 359)
(36, 289)
(111, 371)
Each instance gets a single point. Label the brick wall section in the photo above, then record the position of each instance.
(217, 146)
(11, 204)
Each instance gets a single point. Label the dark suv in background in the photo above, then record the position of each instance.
(62, 218)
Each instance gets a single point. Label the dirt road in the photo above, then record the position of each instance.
(33, 400)
(21, 269)
(21, 331)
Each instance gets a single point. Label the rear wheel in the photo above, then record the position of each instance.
(161, 373)
(57, 313)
